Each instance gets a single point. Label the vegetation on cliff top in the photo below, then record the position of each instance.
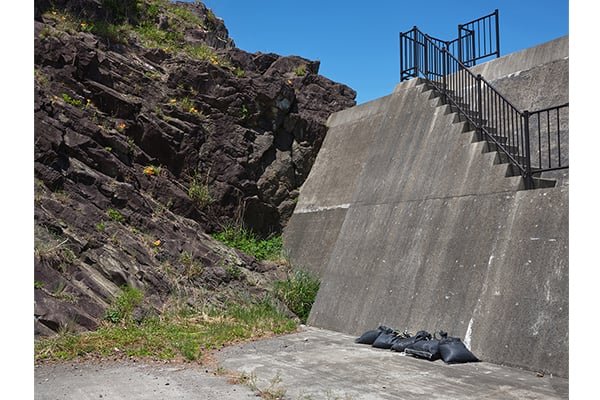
(132, 21)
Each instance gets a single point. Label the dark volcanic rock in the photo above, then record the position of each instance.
(123, 131)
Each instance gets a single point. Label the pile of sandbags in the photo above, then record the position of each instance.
(421, 344)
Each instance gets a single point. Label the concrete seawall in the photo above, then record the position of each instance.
(411, 224)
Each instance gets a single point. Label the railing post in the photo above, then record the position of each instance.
(479, 108)
(415, 52)
(444, 73)
(460, 55)
(426, 66)
(497, 35)
(528, 177)
(401, 58)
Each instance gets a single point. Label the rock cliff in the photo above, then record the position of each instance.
(152, 131)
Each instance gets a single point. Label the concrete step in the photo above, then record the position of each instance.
(512, 171)
(491, 146)
(542, 183)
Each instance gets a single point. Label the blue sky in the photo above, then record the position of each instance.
(357, 42)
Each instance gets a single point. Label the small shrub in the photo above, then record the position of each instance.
(301, 70)
(200, 52)
(199, 192)
(153, 37)
(74, 102)
(115, 215)
(123, 305)
(298, 292)
(131, 144)
(191, 267)
(234, 271)
(100, 226)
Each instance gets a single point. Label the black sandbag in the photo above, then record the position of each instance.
(403, 343)
(386, 340)
(369, 336)
(427, 349)
(453, 351)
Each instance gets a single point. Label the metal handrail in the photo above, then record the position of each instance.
(478, 39)
(494, 117)
(484, 39)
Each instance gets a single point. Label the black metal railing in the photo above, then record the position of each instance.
(534, 142)
(477, 40)
(548, 130)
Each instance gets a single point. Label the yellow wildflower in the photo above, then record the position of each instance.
(157, 243)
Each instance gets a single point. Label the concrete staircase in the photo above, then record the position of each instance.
(491, 146)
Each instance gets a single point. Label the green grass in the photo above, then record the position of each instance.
(245, 241)
(124, 304)
(298, 292)
(171, 335)
(154, 37)
(136, 21)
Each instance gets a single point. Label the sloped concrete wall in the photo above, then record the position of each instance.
(410, 224)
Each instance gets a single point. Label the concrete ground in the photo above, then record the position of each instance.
(311, 364)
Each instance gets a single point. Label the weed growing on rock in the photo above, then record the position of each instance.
(199, 192)
(301, 70)
(115, 215)
(192, 268)
(100, 226)
(74, 102)
(298, 292)
(124, 304)
(59, 293)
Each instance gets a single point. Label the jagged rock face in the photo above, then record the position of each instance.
(123, 132)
